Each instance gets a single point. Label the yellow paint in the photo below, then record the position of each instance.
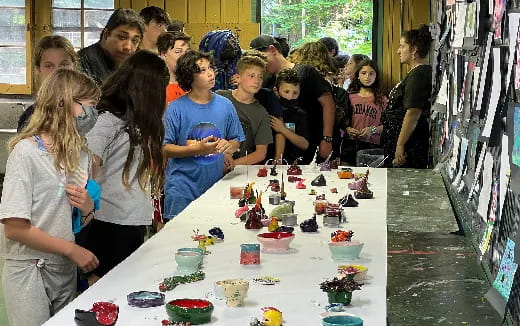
(212, 12)
(157, 3)
(196, 11)
(230, 11)
(137, 5)
(178, 9)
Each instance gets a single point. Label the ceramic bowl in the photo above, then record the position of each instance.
(346, 250)
(188, 261)
(342, 320)
(235, 291)
(360, 276)
(198, 250)
(194, 311)
(275, 241)
(219, 291)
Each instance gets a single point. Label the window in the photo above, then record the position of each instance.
(348, 21)
(14, 54)
(81, 21)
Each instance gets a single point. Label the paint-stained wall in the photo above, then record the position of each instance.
(202, 16)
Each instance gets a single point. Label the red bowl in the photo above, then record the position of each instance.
(275, 241)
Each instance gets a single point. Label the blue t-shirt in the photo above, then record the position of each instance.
(186, 122)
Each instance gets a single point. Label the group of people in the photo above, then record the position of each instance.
(139, 115)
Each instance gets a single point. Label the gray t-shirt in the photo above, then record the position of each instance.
(34, 190)
(255, 123)
(119, 205)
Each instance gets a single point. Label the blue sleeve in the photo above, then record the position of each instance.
(234, 127)
(171, 125)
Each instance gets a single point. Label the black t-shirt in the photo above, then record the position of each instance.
(296, 120)
(414, 91)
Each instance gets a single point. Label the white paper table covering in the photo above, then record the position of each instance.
(298, 294)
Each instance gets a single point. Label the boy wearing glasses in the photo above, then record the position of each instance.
(200, 128)
(171, 46)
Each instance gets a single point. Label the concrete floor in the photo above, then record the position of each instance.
(433, 275)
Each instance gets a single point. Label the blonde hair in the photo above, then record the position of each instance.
(314, 54)
(53, 116)
(251, 59)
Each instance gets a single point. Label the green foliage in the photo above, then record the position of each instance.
(348, 21)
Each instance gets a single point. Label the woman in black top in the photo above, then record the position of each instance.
(406, 134)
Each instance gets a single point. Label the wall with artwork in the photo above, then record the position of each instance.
(476, 133)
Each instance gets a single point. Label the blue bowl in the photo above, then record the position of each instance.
(342, 321)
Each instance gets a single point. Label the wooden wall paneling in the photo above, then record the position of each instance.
(196, 11)
(157, 3)
(125, 3)
(230, 11)
(178, 9)
(137, 5)
(212, 11)
(244, 11)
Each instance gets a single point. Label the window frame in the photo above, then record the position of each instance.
(22, 89)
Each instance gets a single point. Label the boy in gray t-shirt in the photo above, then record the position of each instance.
(253, 116)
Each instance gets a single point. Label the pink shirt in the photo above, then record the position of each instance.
(366, 113)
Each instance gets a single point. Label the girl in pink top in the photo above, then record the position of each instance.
(366, 104)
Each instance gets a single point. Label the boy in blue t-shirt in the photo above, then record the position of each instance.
(200, 127)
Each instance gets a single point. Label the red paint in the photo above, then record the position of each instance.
(190, 303)
(276, 235)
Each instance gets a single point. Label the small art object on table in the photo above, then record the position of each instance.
(320, 206)
(235, 292)
(319, 181)
(266, 280)
(217, 233)
(340, 290)
(193, 311)
(275, 241)
(275, 185)
(273, 224)
(166, 322)
(255, 216)
(309, 225)
(292, 178)
(348, 201)
(249, 195)
(294, 169)
(171, 283)
(312, 192)
(342, 247)
(334, 190)
(241, 213)
(274, 199)
(262, 172)
(274, 173)
(321, 197)
(101, 314)
(363, 192)
(236, 192)
(188, 262)
(285, 228)
(287, 207)
(333, 215)
(300, 184)
(249, 254)
(345, 173)
(329, 164)
(290, 219)
(145, 299)
(272, 317)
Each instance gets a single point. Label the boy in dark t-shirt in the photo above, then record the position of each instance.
(252, 115)
(294, 126)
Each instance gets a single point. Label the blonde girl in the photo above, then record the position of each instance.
(45, 179)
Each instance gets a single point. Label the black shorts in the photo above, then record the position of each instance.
(112, 243)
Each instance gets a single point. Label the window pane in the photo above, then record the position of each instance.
(97, 18)
(72, 36)
(12, 65)
(66, 3)
(99, 4)
(12, 26)
(12, 3)
(63, 18)
(92, 37)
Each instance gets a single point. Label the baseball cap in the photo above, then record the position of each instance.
(261, 42)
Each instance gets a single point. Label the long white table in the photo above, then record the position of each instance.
(297, 295)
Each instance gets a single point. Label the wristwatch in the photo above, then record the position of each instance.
(373, 129)
(328, 139)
